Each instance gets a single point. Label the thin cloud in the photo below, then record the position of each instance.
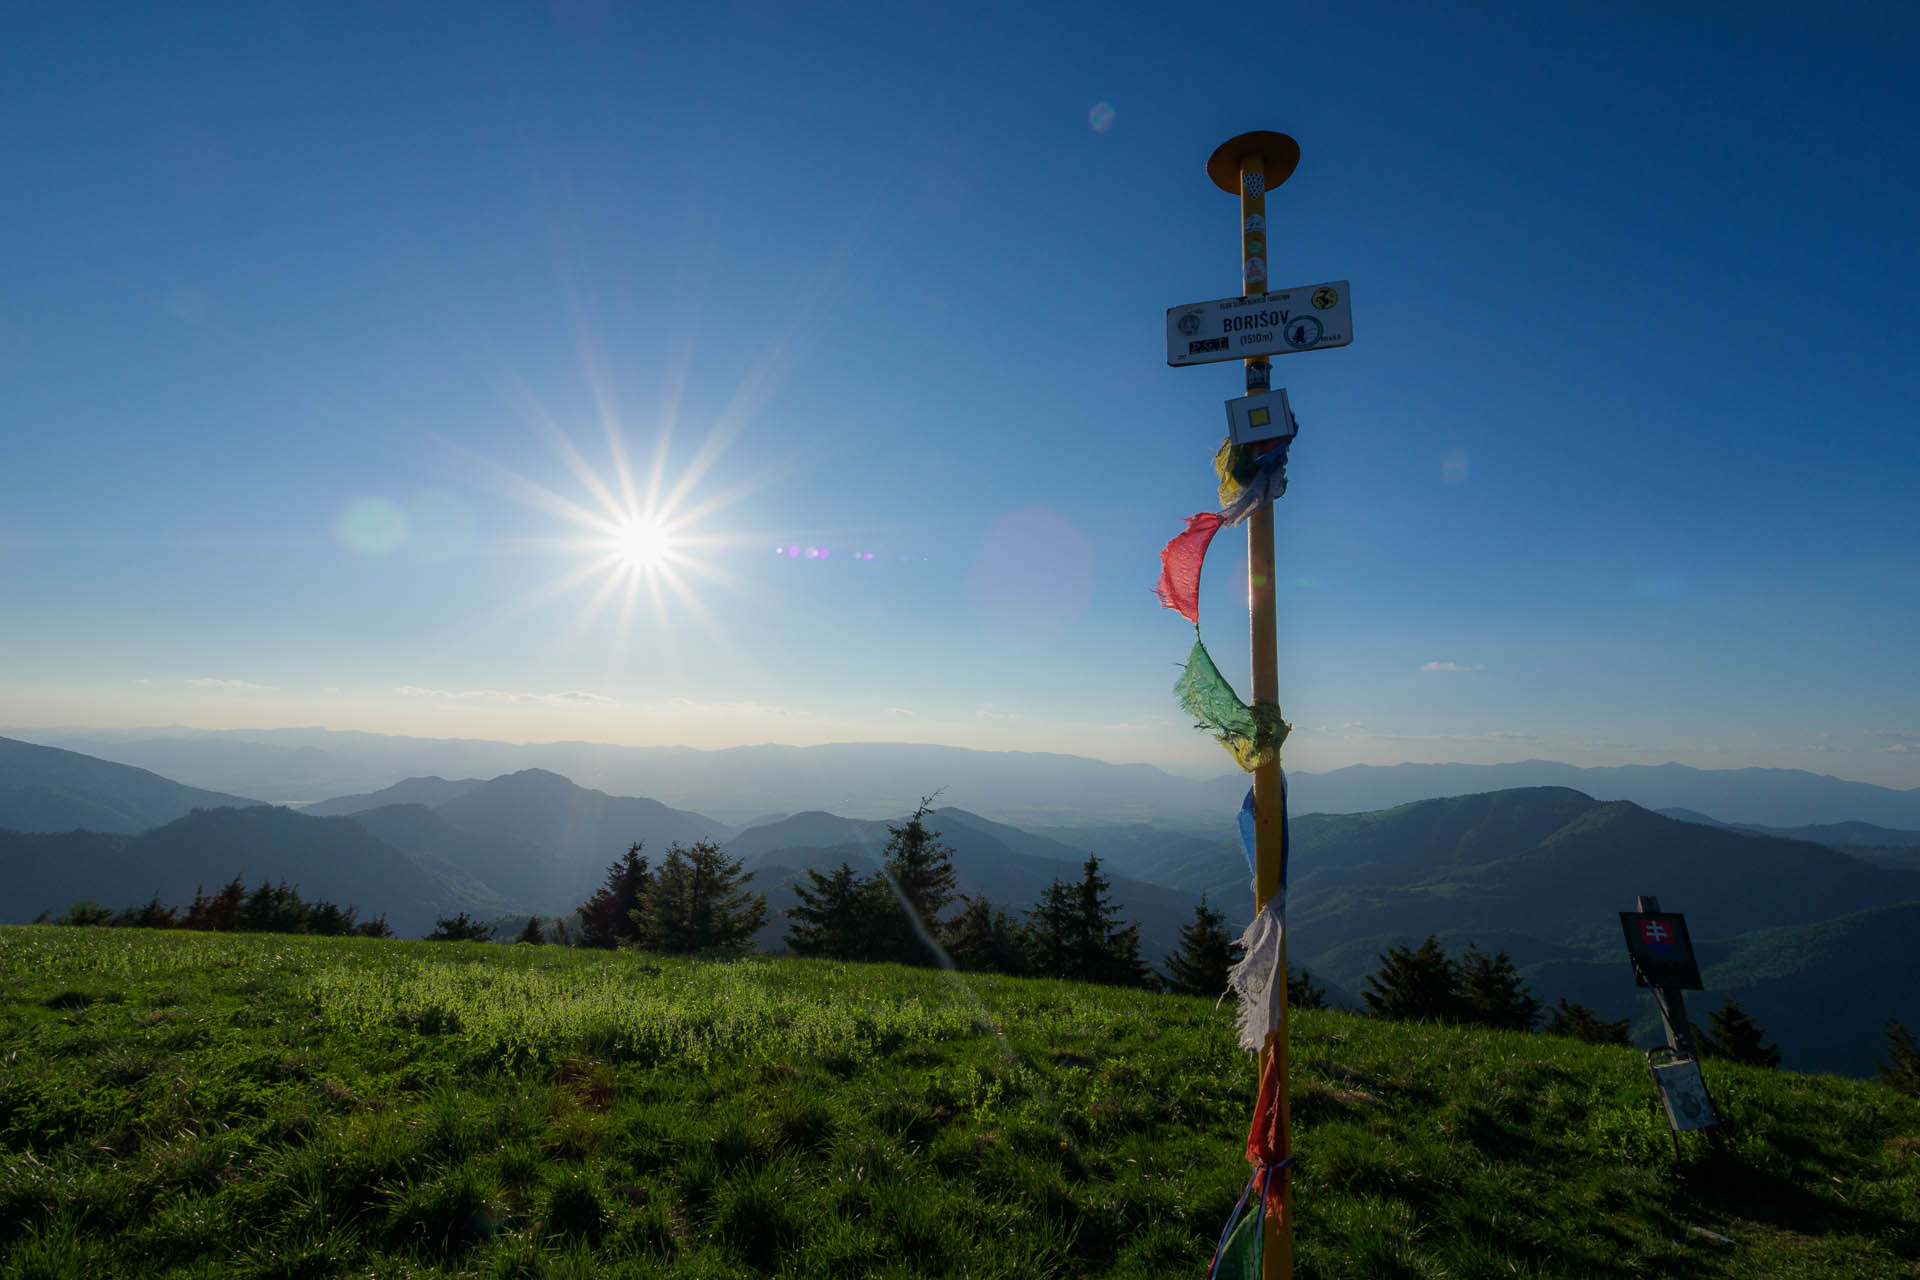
(1452, 666)
(564, 697)
(211, 682)
(744, 707)
(896, 711)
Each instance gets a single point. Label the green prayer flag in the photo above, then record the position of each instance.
(1253, 734)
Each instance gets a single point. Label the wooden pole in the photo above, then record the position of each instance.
(1263, 161)
(1673, 1006)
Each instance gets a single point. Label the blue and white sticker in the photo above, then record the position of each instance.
(1304, 331)
(1256, 270)
(1259, 375)
(1256, 225)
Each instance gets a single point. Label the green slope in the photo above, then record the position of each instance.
(180, 1105)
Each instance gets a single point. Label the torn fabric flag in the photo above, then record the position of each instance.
(1249, 480)
(1258, 981)
(1180, 562)
(1246, 829)
(1253, 734)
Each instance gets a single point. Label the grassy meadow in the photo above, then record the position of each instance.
(268, 1106)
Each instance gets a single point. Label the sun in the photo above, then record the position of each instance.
(641, 544)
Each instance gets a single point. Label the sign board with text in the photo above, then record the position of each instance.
(1276, 323)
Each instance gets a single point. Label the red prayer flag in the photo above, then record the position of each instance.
(1267, 1137)
(1180, 562)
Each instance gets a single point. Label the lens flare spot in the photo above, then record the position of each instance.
(1453, 467)
(371, 526)
(1101, 117)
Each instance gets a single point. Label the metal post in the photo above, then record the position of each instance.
(1255, 163)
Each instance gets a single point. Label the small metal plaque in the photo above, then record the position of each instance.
(1684, 1094)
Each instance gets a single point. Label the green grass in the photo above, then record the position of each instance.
(204, 1105)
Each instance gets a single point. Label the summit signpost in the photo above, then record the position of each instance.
(1252, 327)
(1306, 318)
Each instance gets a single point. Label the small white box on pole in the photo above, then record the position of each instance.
(1261, 416)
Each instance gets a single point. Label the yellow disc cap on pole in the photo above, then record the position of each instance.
(1278, 154)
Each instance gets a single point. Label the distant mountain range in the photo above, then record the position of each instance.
(874, 780)
(1816, 936)
(47, 789)
(331, 858)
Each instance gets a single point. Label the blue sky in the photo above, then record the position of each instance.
(315, 318)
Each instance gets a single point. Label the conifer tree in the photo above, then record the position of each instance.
(841, 915)
(154, 915)
(1303, 992)
(1076, 933)
(984, 938)
(606, 919)
(221, 912)
(330, 919)
(1051, 931)
(1207, 950)
(532, 934)
(272, 909)
(1414, 983)
(1736, 1037)
(1492, 994)
(698, 901)
(459, 928)
(920, 866)
(86, 912)
(1582, 1023)
(1902, 1069)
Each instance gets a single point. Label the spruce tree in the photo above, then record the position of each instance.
(1303, 992)
(1076, 933)
(1582, 1023)
(1736, 1037)
(921, 867)
(1414, 983)
(221, 912)
(458, 928)
(532, 934)
(984, 938)
(154, 915)
(1902, 1069)
(698, 901)
(606, 919)
(330, 919)
(1207, 951)
(841, 915)
(1051, 932)
(1492, 994)
(272, 909)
